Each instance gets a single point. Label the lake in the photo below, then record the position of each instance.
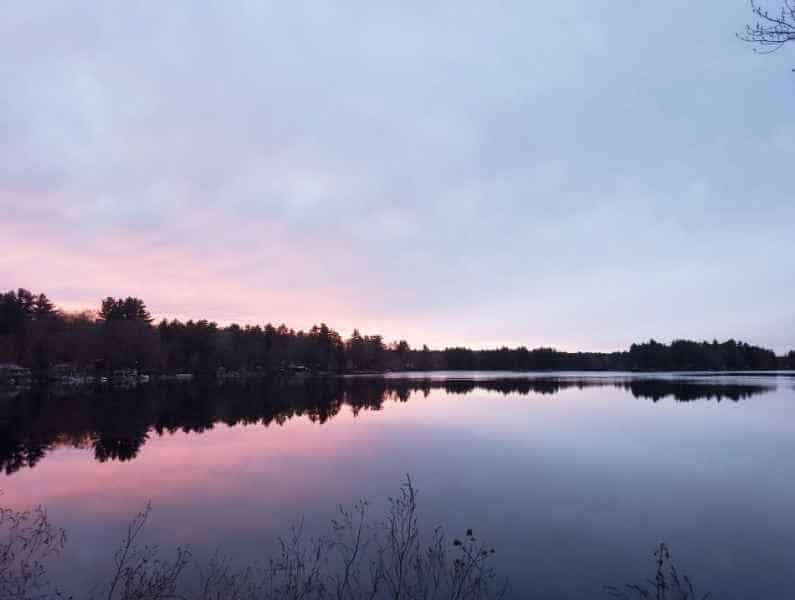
(572, 477)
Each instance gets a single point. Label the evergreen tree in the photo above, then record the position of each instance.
(42, 307)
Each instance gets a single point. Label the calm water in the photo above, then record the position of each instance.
(572, 478)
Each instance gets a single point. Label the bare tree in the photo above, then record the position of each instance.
(772, 29)
(668, 583)
(363, 559)
(139, 573)
(27, 541)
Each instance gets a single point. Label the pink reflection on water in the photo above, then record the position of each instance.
(557, 466)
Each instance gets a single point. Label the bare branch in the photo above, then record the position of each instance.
(27, 541)
(771, 30)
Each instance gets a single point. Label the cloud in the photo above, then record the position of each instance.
(451, 174)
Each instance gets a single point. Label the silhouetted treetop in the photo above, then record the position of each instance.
(42, 307)
(15, 307)
(129, 309)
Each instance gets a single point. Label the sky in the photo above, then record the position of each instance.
(577, 174)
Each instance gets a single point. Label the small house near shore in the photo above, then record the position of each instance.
(12, 375)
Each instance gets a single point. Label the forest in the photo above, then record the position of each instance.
(122, 333)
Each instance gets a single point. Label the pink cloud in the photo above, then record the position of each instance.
(252, 279)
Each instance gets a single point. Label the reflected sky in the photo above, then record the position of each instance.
(573, 488)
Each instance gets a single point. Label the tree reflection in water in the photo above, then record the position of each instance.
(117, 423)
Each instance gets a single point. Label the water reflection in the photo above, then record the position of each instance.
(116, 424)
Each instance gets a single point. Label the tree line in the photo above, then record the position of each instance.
(123, 334)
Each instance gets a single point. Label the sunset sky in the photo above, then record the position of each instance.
(580, 174)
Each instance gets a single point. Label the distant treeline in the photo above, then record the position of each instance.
(122, 334)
